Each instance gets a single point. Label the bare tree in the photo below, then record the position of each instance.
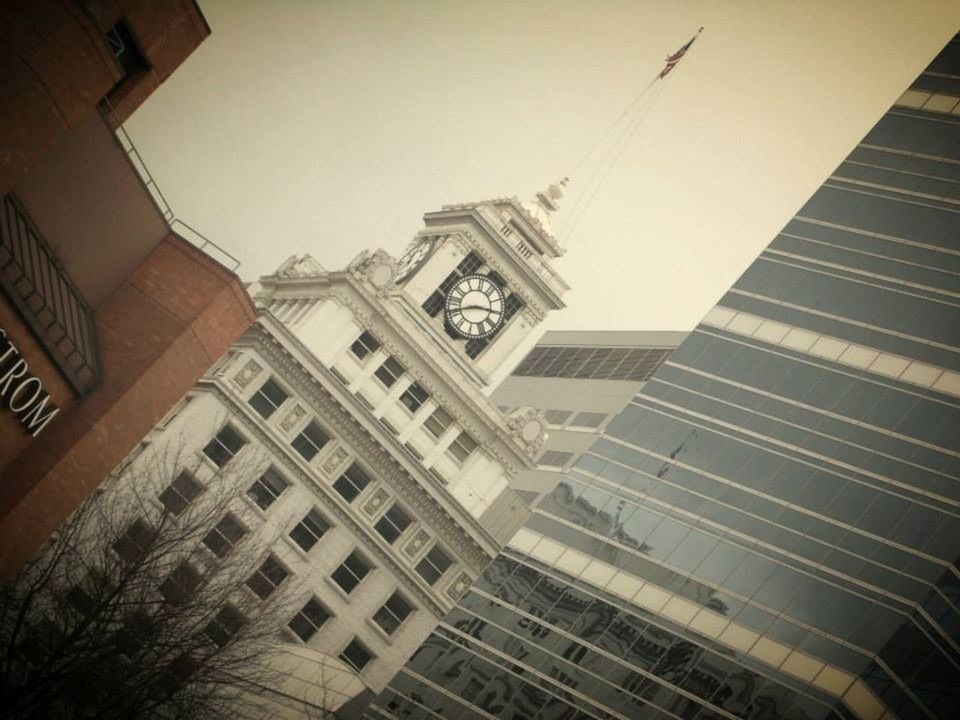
(151, 601)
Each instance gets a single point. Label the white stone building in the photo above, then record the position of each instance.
(384, 469)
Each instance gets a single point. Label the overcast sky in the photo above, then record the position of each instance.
(329, 127)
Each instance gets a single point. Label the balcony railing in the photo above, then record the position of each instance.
(42, 291)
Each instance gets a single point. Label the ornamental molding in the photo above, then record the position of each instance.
(330, 506)
(378, 268)
(300, 267)
(247, 373)
(375, 456)
(517, 205)
(527, 426)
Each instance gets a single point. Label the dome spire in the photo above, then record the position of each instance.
(549, 199)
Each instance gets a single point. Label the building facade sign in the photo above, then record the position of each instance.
(23, 394)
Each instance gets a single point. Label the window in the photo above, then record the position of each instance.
(475, 346)
(392, 613)
(555, 458)
(351, 483)
(310, 440)
(180, 493)
(268, 577)
(133, 636)
(356, 655)
(433, 305)
(389, 426)
(124, 47)
(351, 572)
(557, 417)
(308, 531)
(462, 447)
(389, 371)
(310, 618)
(267, 488)
(413, 451)
(434, 564)
(589, 419)
(181, 584)
(414, 397)
(498, 279)
(268, 398)
(438, 475)
(393, 523)
(135, 541)
(470, 264)
(364, 345)
(438, 422)
(225, 535)
(364, 401)
(511, 306)
(224, 446)
(225, 625)
(339, 376)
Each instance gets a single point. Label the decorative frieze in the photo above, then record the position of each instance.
(293, 418)
(416, 543)
(333, 462)
(458, 587)
(376, 501)
(247, 373)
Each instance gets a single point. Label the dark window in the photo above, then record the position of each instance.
(267, 488)
(356, 655)
(364, 345)
(511, 306)
(413, 451)
(497, 279)
(470, 264)
(434, 304)
(310, 440)
(225, 535)
(268, 577)
(135, 541)
(225, 625)
(414, 397)
(268, 398)
(124, 47)
(351, 572)
(181, 584)
(224, 446)
(392, 613)
(557, 417)
(389, 371)
(310, 618)
(438, 422)
(136, 631)
(589, 419)
(462, 447)
(475, 346)
(81, 600)
(180, 493)
(393, 523)
(352, 482)
(434, 565)
(309, 530)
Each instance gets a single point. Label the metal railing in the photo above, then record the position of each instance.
(188, 233)
(42, 291)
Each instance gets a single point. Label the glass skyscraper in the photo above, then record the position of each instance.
(771, 527)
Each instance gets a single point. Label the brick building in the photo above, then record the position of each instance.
(107, 314)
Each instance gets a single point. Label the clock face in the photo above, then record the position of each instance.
(414, 258)
(475, 306)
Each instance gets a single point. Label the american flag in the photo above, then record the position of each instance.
(672, 60)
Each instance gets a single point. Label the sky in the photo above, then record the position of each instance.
(331, 126)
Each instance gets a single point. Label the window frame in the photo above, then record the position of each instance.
(411, 397)
(260, 576)
(366, 346)
(308, 620)
(232, 454)
(227, 543)
(426, 559)
(384, 370)
(227, 627)
(356, 642)
(259, 393)
(444, 428)
(456, 443)
(390, 632)
(171, 491)
(308, 443)
(395, 506)
(356, 556)
(267, 489)
(315, 516)
(349, 481)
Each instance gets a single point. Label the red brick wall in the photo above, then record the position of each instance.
(159, 332)
(55, 67)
